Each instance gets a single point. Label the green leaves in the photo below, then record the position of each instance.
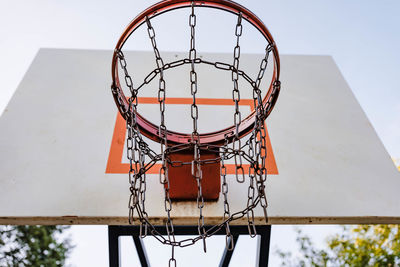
(33, 246)
(358, 246)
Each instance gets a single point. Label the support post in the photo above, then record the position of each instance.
(114, 232)
(263, 241)
(141, 251)
(113, 246)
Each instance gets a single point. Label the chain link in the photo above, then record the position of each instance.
(237, 117)
(172, 260)
(256, 91)
(224, 189)
(259, 135)
(254, 148)
(193, 75)
(229, 153)
(133, 154)
(255, 155)
(163, 173)
(196, 166)
(207, 233)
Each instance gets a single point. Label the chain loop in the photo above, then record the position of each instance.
(253, 151)
(237, 117)
(163, 174)
(196, 166)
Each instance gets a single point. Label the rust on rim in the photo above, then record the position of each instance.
(151, 130)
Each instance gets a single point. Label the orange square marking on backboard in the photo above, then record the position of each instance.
(115, 164)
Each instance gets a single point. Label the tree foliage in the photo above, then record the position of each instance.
(358, 246)
(33, 246)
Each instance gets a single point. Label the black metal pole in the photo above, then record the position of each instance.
(113, 246)
(141, 251)
(263, 245)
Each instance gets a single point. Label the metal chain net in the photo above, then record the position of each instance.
(253, 151)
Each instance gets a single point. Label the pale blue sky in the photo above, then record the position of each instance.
(363, 37)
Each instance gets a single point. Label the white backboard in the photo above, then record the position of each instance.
(62, 158)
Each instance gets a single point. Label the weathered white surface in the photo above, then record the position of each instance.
(55, 137)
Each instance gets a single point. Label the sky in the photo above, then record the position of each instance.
(362, 36)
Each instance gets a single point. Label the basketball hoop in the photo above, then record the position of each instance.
(205, 150)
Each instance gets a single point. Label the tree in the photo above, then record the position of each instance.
(358, 246)
(33, 246)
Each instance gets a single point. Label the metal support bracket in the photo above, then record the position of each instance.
(115, 231)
